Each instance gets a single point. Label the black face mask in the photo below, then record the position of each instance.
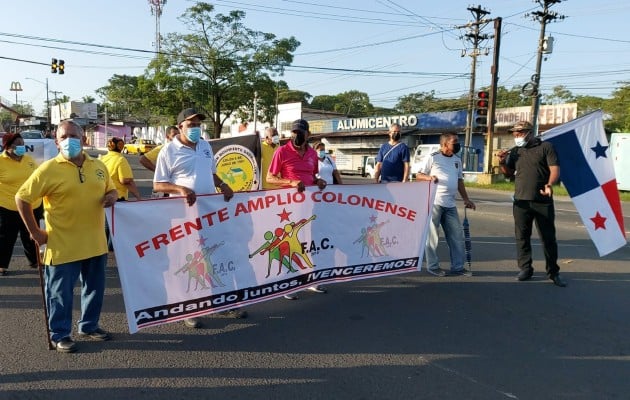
(299, 139)
(396, 136)
(456, 148)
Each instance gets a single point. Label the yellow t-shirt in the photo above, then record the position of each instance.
(153, 153)
(265, 159)
(73, 205)
(13, 173)
(119, 169)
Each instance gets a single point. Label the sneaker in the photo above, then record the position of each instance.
(97, 334)
(65, 345)
(192, 323)
(317, 289)
(291, 296)
(461, 272)
(436, 272)
(233, 313)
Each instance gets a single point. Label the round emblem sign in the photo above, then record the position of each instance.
(236, 166)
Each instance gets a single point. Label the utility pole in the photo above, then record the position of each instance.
(545, 16)
(475, 37)
(255, 110)
(492, 106)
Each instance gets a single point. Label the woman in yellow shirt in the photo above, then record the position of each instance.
(15, 168)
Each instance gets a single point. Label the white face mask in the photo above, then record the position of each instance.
(520, 141)
(275, 139)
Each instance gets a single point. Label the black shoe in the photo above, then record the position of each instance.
(65, 345)
(97, 334)
(525, 274)
(558, 281)
(192, 323)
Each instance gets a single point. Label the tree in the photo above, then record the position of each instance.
(222, 62)
(560, 94)
(421, 102)
(619, 109)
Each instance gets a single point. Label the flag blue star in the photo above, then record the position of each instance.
(600, 151)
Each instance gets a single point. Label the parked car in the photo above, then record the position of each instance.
(32, 134)
(139, 146)
(420, 155)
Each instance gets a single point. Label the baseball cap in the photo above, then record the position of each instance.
(521, 126)
(189, 113)
(300, 125)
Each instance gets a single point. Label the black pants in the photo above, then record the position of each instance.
(10, 225)
(525, 213)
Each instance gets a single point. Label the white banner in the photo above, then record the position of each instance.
(177, 261)
(41, 149)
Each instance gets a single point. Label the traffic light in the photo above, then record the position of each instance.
(57, 66)
(481, 120)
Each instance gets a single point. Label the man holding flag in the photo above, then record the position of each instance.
(534, 165)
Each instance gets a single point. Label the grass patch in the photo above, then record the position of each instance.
(558, 190)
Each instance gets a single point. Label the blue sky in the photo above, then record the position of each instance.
(416, 40)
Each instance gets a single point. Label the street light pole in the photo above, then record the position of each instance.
(48, 119)
(47, 111)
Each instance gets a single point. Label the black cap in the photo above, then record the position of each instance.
(300, 125)
(521, 126)
(189, 113)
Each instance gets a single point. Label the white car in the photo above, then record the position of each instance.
(420, 155)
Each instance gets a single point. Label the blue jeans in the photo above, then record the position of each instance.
(60, 280)
(453, 233)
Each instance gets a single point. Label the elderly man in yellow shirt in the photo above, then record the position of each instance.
(74, 187)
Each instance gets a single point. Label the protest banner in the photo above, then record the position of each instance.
(177, 261)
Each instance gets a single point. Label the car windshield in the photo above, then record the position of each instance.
(31, 135)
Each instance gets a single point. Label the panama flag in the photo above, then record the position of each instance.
(587, 172)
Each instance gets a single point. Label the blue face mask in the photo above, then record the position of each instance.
(322, 153)
(19, 150)
(70, 147)
(193, 134)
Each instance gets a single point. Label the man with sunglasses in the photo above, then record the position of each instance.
(75, 187)
(534, 165)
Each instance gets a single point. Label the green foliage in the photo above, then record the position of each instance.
(352, 103)
(222, 63)
(421, 102)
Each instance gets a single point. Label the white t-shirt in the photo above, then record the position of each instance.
(326, 168)
(448, 171)
(183, 166)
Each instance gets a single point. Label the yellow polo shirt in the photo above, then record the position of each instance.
(266, 155)
(73, 202)
(153, 153)
(119, 169)
(13, 174)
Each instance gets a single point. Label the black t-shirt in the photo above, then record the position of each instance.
(531, 165)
